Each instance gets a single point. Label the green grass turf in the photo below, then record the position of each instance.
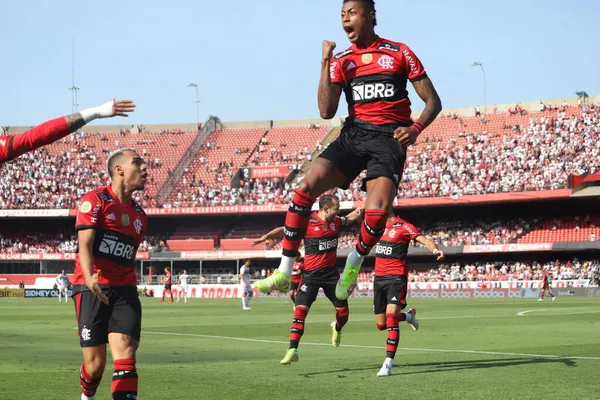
(184, 353)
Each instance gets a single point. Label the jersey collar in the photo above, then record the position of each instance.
(114, 196)
(373, 46)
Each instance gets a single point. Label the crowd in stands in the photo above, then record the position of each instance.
(502, 271)
(508, 271)
(61, 242)
(538, 156)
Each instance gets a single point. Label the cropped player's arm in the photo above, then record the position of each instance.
(329, 94)
(86, 261)
(430, 244)
(49, 132)
(274, 234)
(433, 103)
(355, 216)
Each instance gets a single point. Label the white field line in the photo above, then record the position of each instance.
(494, 353)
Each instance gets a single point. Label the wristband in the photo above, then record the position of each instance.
(418, 127)
(103, 111)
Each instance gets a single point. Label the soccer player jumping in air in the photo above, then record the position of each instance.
(391, 282)
(372, 73)
(319, 271)
(13, 146)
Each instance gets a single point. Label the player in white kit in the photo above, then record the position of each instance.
(246, 285)
(62, 284)
(183, 286)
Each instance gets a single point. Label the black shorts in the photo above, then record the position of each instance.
(309, 288)
(390, 289)
(363, 146)
(168, 286)
(294, 286)
(96, 320)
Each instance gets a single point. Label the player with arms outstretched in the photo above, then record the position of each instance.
(110, 227)
(546, 286)
(168, 282)
(246, 285)
(183, 286)
(373, 73)
(319, 271)
(62, 285)
(13, 146)
(391, 282)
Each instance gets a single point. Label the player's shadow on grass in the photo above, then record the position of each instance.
(444, 366)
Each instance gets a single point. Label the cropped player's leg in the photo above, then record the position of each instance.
(66, 295)
(380, 196)
(60, 293)
(304, 299)
(124, 338)
(342, 313)
(249, 295)
(322, 175)
(125, 378)
(171, 294)
(92, 368)
(244, 294)
(92, 320)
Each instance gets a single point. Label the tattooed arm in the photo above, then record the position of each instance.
(13, 146)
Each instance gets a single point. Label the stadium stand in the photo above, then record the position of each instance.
(502, 152)
(57, 176)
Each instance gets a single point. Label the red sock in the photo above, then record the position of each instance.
(371, 230)
(88, 384)
(125, 379)
(297, 329)
(393, 335)
(382, 327)
(296, 221)
(341, 317)
(543, 293)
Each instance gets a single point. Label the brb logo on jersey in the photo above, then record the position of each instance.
(111, 245)
(327, 244)
(371, 91)
(384, 250)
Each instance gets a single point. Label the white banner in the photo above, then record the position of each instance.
(33, 213)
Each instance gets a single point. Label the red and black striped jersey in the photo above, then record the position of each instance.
(374, 80)
(120, 229)
(321, 242)
(392, 248)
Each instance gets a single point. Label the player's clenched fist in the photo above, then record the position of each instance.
(328, 47)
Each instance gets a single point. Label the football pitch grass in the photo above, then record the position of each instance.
(211, 349)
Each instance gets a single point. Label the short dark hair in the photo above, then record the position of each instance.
(369, 6)
(327, 200)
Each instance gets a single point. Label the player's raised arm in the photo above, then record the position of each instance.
(329, 83)
(274, 234)
(430, 244)
(12, 147)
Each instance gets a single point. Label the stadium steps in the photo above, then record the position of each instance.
(254, 150)
(330, 137)
(190, 154)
